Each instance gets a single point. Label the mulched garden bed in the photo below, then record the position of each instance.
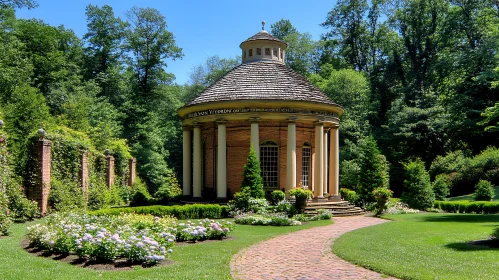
(117, 265)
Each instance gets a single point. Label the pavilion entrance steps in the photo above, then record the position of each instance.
(339, 209)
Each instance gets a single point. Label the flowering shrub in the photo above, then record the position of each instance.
(400, 208)
(137, 238)
(202, 230)
(274, 219)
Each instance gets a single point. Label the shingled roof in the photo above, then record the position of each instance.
(263, 35)
(261, 80)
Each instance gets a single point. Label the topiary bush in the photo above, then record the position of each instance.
(484, 191)
(418, 192)
(441, 187)
(382, 196)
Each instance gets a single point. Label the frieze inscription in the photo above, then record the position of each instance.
(257, 110)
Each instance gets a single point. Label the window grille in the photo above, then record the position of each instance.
(269, 162)
(305, 165)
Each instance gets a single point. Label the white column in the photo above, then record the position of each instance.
(186, 154)
(255, 138)
(197, 163)
(319, 161)
(334, 164)
(324, 189)
(222, 161)
(291, 156)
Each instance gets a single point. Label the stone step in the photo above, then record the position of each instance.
(328, 207)
(340, 203)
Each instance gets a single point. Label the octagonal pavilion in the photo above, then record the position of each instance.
(263, 103)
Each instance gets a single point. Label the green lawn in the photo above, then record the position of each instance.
(424, 246)
(208, 260)
(470, 196)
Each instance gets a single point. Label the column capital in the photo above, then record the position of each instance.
(186, 127)
(292, 119)
(335, 126)
(319, 122)
(196, 124)
(254, 119)
(221, 121)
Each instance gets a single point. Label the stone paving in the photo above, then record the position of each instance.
(303, 255)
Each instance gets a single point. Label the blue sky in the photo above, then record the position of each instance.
(201, 28)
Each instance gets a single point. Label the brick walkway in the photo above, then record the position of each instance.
(304, 255)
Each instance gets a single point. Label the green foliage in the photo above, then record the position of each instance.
(169, 192)
(349, 195)
(495, 233)
(300, 193)
(181, 212)
(441, 187)
(373, 170)
(470, 207)
(252, 177)
(21, 208)
(484, 191)
(278, 196)
(140, 195)
(382, 196)
(65, 195)
(417, 193)
(5, 220)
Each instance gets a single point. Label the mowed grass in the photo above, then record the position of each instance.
(209, 260)
(470, 197)
(425, 246)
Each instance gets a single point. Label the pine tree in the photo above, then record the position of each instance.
(252, 177)
(418, 192)
(373, 170)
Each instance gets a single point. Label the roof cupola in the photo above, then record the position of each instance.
(263, 47)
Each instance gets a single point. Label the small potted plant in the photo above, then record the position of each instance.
(301, 196)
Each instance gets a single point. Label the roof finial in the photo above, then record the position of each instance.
(263, 25)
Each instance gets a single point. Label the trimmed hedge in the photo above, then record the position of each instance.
(478, 207)
(181, 212)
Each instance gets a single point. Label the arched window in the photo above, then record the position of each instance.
(269, 162)
(305, 164)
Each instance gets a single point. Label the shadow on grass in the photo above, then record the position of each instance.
(464, 218)
(478, 245)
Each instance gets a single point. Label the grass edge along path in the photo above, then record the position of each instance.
(209, 260)
(424, 246)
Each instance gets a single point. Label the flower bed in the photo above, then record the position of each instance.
(400, 208)
(267, 219)
(137, 238)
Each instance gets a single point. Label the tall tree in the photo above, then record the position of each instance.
(104, 39)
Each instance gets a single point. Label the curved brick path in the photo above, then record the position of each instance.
(305, 254)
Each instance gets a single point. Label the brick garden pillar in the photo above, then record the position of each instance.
(39, 188)
(132, 165)
(334, 161)
(84, 178)
(109, 170)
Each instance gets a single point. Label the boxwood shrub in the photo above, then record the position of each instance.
(478, 207)
(182, 212)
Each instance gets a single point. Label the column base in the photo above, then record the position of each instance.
(221, 200)
(334, 198)
(319, 199)
(197, 199)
